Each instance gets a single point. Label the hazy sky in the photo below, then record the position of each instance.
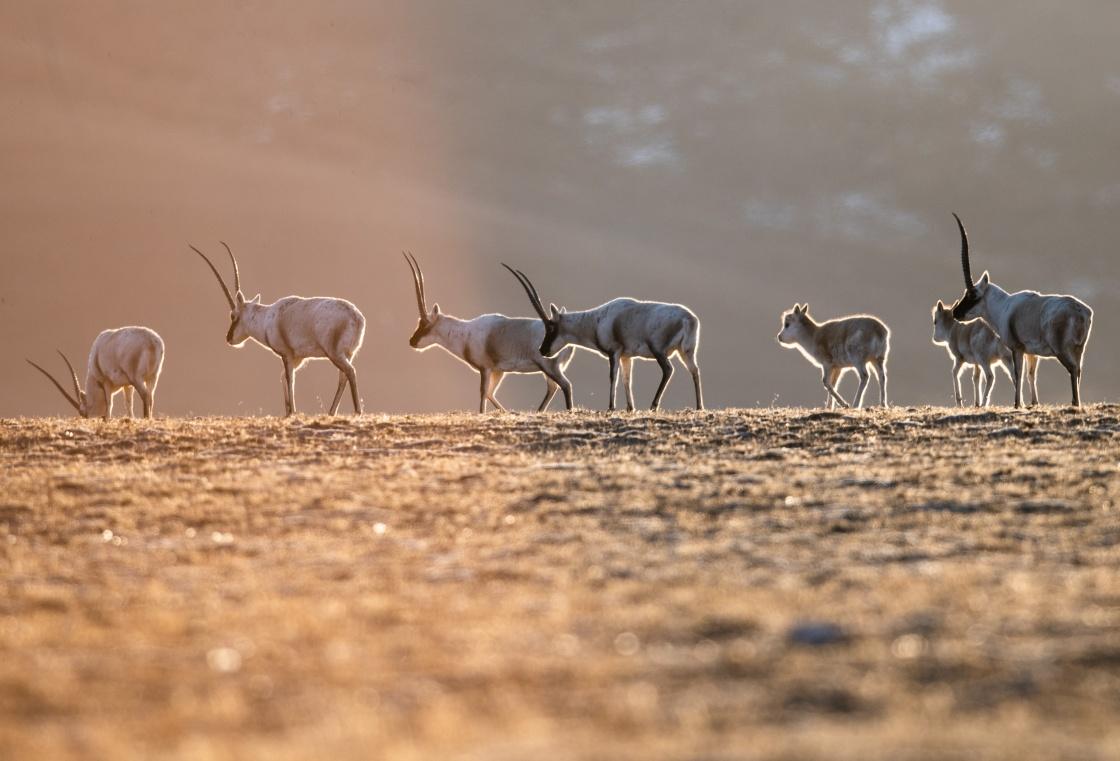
(735, 157)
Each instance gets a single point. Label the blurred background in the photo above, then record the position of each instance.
(735, 157)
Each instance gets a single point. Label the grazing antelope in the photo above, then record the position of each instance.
(124, 358)
(492, 344)
(973, 343)
(1027, 322)
(623, 330)
(834, 346)
(297, 329)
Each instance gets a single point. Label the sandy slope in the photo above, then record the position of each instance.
(742, 584)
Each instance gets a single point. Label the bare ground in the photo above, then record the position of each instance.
(771, 584)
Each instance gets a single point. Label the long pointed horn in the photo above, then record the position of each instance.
(530, 290)
(969, 284)
(73, 375)
(57, 385)
(221, 282)
(417, 284)
(236, 271)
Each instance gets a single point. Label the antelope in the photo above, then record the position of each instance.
(973, 343)
(492, 344)
(124, 358)
(854, 342)
(623, 330)
(297, 329)
(1028, 323)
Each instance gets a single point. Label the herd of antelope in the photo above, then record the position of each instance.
(986, 328)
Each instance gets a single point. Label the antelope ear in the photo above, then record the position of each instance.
(256, 299)
(435, 309)
(940, 304)
(554, 311)
(805, 308)
(984, 280)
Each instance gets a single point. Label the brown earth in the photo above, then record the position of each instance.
(774, 584)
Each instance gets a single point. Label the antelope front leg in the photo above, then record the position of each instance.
(492, 389)
(976, 385)
(666, 375)
(1032, 376)
(483, 389)
(128, 391)
(1017, 376)
(826, 379)
(989, 384)
(833, 377)
(957, 396)
(627, 364)
(694, 370)
(556, 380)
(289, 388)
(614, 360)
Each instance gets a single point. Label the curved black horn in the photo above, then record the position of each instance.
(221, 282)
(530, 290)
(417, 283)
(964, 254)
(236, 272)
(57, 385)
(73, 375)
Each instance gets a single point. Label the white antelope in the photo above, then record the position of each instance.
(297, 329)
(855, 342)
(973, 343)
(623, 330)
(492, 344)
(1028, 323)
(123, 358)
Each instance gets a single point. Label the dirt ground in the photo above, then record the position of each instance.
(743, 584)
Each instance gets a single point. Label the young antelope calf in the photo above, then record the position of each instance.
(848, 342)
(974, 343)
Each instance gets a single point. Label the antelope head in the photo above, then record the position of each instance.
(422, 337)
(942, 322)
(85, 406)
(795, 324)
(551, 319)
(237, 334)
(967, 305)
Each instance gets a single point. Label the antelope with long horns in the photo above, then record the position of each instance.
(974, 344)
(492, 344)
(1027, 322)
(297, 329)
(623, 330)
(857, 343)
(124, 358)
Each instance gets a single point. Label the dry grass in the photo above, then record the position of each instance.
(742, 584)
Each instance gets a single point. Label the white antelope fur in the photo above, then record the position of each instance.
(857, 342)
(623, 330)
(492, 345)
(1028, 323)
(122, 358)
(973, 344)
(297, 329)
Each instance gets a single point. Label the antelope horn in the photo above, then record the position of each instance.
(221, 282)
(56, 384)
(417, 284)
(73, 375)
(530, 290)
(236, 272)
(964, 255)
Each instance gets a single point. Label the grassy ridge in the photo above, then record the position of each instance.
(746, 584)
